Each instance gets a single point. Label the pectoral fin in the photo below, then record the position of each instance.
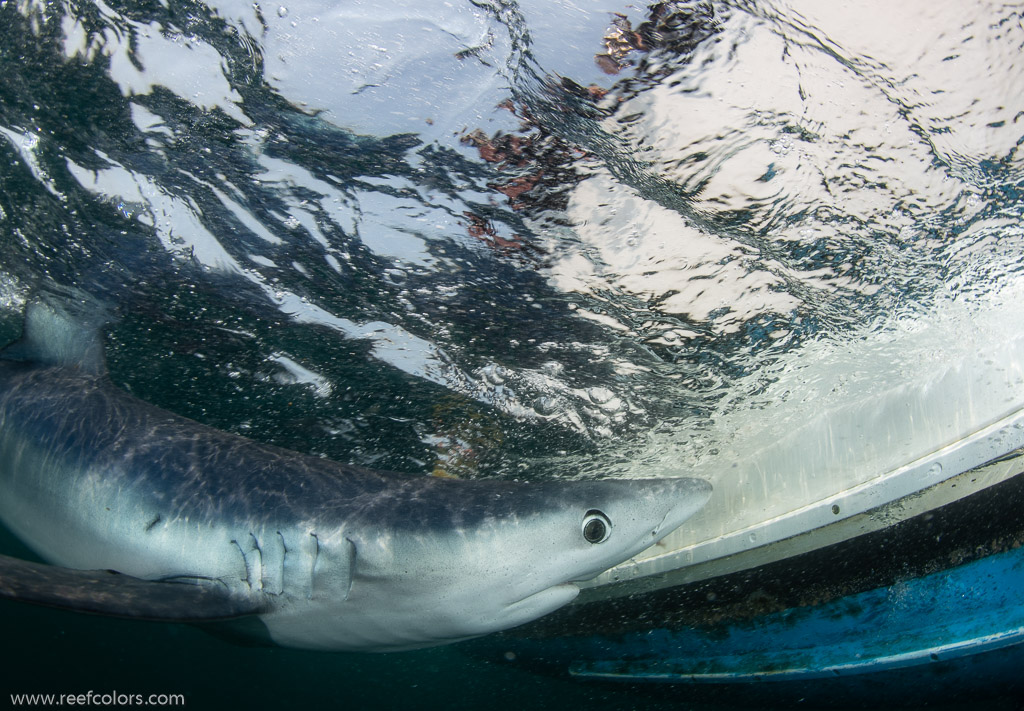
(105, 592)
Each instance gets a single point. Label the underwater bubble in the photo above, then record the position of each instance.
(552, 368)
(546, 406)
(495, 374)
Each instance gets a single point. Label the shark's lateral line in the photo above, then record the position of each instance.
(201, 524)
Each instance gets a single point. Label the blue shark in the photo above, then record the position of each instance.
(142, 513)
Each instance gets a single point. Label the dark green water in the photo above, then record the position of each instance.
(490, 239)
(65, 653)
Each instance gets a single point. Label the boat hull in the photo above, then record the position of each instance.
(929, 609)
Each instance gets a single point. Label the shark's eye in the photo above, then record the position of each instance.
(596, 526)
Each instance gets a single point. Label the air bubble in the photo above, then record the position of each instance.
(552, 368)
(495, 374)
(546, 406)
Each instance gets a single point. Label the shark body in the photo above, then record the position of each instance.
(201, 524)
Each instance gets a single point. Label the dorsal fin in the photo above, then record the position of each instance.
(66, 333)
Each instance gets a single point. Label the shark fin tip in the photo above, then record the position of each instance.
(62, 331)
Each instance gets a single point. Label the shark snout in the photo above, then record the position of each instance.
(683, 497)
(638, 513)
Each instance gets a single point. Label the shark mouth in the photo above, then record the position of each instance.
(539, 604)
